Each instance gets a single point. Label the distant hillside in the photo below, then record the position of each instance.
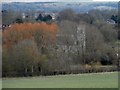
(58, 6)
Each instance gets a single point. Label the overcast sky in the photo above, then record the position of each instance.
(50, 0)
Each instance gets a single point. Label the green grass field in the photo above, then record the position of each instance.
(99, 80)
(0, 83)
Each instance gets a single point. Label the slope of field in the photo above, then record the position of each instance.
(99, 80)
(0, 83)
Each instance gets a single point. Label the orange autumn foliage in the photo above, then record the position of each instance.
(19, 32)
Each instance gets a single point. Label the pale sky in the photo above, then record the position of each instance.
(50, 0)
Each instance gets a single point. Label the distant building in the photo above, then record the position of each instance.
(72, 42)
(23, 15)
(110, 21)
(0, 27)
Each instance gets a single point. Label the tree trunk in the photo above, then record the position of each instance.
(32, 69)
(26, 70)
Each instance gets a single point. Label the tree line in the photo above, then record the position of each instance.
(73, 42)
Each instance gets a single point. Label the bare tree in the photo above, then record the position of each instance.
(24, 56)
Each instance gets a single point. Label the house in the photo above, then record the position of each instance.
(110, 21)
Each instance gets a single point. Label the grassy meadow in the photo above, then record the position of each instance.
(93, 80)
